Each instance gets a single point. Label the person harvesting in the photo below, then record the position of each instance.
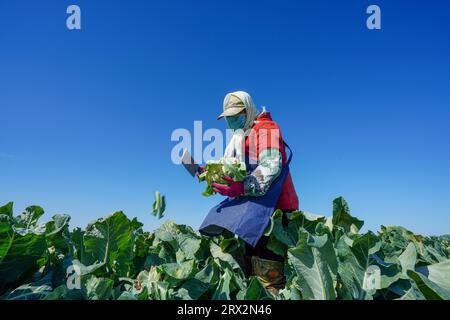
(267, 186)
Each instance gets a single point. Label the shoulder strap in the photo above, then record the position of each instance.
(290, 153)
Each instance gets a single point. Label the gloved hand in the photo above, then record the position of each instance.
(233, 190)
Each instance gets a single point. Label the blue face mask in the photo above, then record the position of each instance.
(236, 122)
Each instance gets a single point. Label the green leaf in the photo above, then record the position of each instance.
(28, 292)
(409, 295)
(342, 217)
(63, 293)
(77, 244)
(127, 296)
(192, 289)
(57, 232)
(31, 291)
(98, 288)
(179, 271)
(408, 258)
(223, 290)
(210, 273)
(429, 289)
(304, 220)
(439, 273)
(256, 291)
(179, 237)
(152, 259)
(19, 254)
(396, 239)
(287, 237)
(6, 223)
(109, 240)
(269, 228)
(7, 209)
(136, 224)
(316, 266)
(208, 191)
(390, 272)
(159, 205)
(276, 246)
(355, 265)
(364, 246)
(218, 254)
(29, 218)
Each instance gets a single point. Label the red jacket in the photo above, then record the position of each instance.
(266, 134)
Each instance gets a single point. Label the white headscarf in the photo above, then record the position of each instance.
(235, 147)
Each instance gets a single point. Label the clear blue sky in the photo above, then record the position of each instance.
(87, 115)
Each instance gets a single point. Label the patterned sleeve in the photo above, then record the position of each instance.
(269, 168)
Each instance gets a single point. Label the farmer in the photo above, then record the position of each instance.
(249, 205)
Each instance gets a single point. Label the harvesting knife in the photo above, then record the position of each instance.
(189, 163)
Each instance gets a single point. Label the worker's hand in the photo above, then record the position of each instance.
(233, 190)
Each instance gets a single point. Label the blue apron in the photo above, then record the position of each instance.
(247, 217)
